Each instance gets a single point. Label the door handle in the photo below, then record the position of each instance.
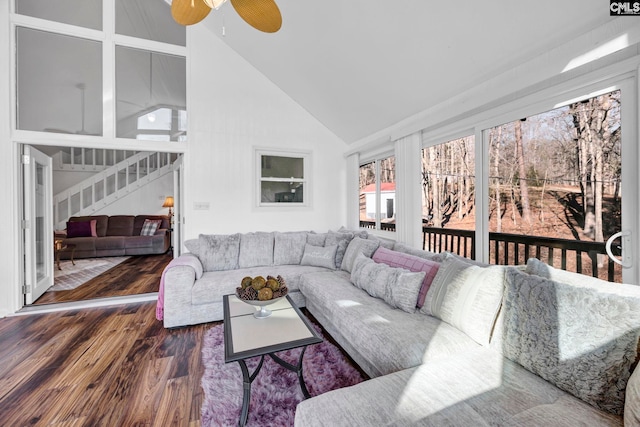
(627, 260)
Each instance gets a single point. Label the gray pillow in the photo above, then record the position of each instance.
(466, 296)
(320, 256)
(358, 246)
(219, 251)
(316, 239)
(383, 241)
(396, 286)
(401, 247)
(341, 239)
(289, 247)
(193, 246)
(582, 340)
(256, 249)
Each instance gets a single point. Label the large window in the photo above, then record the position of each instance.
(59, 83)
(448, 196)
(377, 194)
(557, 175)
(60, 87)
(283, 178)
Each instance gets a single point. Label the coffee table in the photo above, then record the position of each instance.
(246, 336)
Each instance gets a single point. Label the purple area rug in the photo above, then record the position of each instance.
(275, 392)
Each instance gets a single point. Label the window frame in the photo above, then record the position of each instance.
(306, 157)
(376, 160)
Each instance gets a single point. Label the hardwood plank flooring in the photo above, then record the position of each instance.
(114, 366)
(137, 275)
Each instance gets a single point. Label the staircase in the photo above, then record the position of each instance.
(111, 183)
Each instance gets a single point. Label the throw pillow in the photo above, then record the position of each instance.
(316, 239)
(150, 226)
(219, 252)
(342, 240)
(401, 247)
(396, 286)
(256, 249)
(78, 229)
(632, 400)
(94, 231)
(466, 296)
(193, 246)
(357, 246)
(320, 256)
(582, 340)
(411, 263)
(289, 247)
(382, 241)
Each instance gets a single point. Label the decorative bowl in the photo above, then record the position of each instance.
(264, 311)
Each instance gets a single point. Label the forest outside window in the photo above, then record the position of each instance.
(283, 178)
(377, 194)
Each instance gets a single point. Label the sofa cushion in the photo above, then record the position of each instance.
(470, 388)
(382, 241)
(109, 243)
(289, 247)
(381, 339)
(193, 246)
(316, 239)
(467, 297)
(78, 229)
(396, 286)
(219, 251)
(120, 225)
(256, 249)
(411, 263)
(357, 246)
(582, 340)
(320, 256)
(213, 285)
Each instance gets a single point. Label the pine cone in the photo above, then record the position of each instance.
(280, 280)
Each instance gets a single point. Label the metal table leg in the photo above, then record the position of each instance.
(247, 379)
(295, 368)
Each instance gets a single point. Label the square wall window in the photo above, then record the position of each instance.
(283, 178)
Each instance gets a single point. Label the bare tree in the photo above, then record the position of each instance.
(522, 172)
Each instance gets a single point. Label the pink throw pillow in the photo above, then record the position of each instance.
(94, 232)
(411, 263)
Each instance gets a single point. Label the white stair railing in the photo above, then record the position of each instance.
(109, 185)
(88, 159)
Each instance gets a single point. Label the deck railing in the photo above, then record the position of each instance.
(514, 249)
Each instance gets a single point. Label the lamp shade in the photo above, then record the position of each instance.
(168, 202)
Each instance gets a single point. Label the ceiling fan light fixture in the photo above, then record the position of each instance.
(215, 4)
(263, 15)
(189, 12)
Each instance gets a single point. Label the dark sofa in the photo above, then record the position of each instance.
(118, 235)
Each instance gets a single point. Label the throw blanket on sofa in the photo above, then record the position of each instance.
(188, 260)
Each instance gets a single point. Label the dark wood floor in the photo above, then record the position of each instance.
(113, 366)
(137, 275)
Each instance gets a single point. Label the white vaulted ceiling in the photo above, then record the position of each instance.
(360, 66)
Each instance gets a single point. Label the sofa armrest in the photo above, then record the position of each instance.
(179, 278)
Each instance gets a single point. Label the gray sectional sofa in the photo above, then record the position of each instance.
(445, 341)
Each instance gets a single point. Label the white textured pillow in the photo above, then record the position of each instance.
(288, 247)
(632, 400)
(256, 249)
(466, 296)
(358, 246)
(320, 256)
(577, 338)
(396, 286)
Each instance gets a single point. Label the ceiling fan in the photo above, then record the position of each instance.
(263, 15)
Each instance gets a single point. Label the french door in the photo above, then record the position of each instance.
(37, 223)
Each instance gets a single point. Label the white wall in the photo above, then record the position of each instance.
(232, 109)
(146, 200)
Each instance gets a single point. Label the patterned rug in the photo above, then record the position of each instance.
(71, 276)
(275, 392)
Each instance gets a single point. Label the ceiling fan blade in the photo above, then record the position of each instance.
(189, 12)
(263, 15)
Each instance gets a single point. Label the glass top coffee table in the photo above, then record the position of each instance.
(246, 336)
